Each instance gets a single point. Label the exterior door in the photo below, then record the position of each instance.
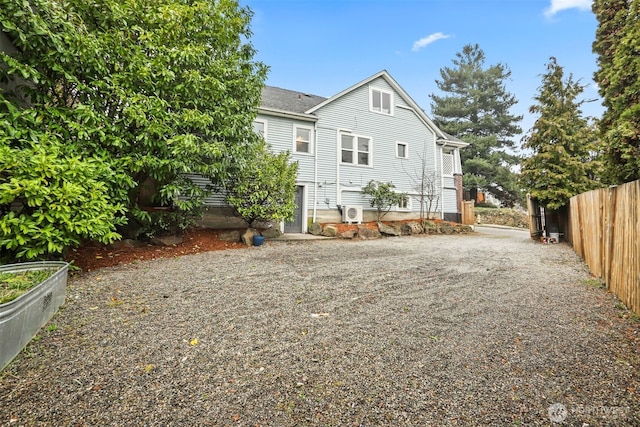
(295, 226)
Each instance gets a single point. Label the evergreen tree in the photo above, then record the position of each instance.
(617, 45)
(476, 110)
(563, 162)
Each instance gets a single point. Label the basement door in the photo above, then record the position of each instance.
(295, 226)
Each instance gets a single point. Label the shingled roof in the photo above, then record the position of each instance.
(279, 99)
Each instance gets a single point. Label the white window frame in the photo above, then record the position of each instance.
(355, 150)
(295, 145)
(406, 150)
(449, 152)
(382, 91)
(264, 124)
(408, 204)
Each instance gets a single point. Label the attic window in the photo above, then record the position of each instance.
(381, 101)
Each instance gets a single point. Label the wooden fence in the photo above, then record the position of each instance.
(468, 213)
(604, 229)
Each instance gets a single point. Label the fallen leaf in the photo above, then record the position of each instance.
(193, 342)
(149, 368)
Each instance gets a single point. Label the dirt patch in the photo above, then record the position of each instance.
(91, 256)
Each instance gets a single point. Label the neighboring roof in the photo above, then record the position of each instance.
(284, 100)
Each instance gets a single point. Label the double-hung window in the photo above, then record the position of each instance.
(356, 149)
(405, 202)
(302, 143)
(381, 101)
(260, 127)
(402, 150)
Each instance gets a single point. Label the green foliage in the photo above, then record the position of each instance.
(617, 45)
(476, 110)
(50, 201)
(564, 160)
(382, 196)
(153, 89)
(264, 189)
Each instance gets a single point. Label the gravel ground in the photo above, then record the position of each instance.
(482, 329)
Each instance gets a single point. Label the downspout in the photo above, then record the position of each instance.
(315, 170)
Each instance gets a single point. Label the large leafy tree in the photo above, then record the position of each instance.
(564, 159)
(154, 89)
(617, 45)
(475, 108)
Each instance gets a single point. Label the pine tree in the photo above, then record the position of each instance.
(617, 45)
(476, 110)
(563, 162)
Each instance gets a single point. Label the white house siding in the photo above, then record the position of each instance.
(351, 113)
(449, 199)
(279, 135)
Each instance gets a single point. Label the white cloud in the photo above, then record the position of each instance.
(558, 5)
(428, 40)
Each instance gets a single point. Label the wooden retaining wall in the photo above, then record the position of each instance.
(604, 229)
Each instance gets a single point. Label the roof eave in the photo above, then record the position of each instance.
(287, 114)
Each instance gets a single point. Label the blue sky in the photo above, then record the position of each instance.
(324, 46)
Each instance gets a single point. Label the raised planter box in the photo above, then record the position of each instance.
(23, 317)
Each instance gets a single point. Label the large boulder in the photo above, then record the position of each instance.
(388, 230)
(315, 229)
(412, 227)
(247, 236)
(368, 233)
(330, 231)
(271, 233)
(349, 234)
(446, 228)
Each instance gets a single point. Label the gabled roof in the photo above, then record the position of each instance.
(277, 100)
(441, 136)
(284, 102)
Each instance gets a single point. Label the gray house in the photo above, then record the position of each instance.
(371, 130)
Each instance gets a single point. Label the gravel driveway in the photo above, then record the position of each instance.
(482, 329)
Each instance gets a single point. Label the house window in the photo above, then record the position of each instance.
(260, 127)
(356, 150)
(402, 150)
(405, 202)
(448, 164)
(381, 101)
(303, 140)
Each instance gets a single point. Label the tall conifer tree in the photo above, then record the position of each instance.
(563, 162)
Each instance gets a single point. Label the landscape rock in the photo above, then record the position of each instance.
(126, 243)
(368, 233)
(388, 230)
(247, 236)
(446, 228)
(167, 240)
(315, 229)
(271, 233)
(409, 228)
(230, 236)
(330, 231)
(349, 234)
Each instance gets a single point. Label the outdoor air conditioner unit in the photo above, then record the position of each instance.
(352, 214)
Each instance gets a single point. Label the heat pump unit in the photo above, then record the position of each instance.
(352, 214)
